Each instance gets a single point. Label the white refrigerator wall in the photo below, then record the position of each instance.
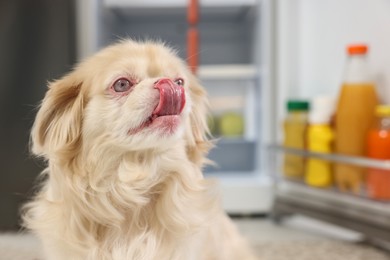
(312, 36)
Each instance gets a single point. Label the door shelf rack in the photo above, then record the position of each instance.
(356, 212)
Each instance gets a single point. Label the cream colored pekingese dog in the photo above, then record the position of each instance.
(124, 139)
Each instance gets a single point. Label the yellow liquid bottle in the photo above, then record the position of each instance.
(320, 137)
(294, 137)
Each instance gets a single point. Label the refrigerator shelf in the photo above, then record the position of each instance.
(175, 3)
(228, 72)
(354, 211)
(353, 160)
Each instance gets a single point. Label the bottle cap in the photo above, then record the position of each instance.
(382, 110)
(357, 49)
(297, 105)
(322, 110)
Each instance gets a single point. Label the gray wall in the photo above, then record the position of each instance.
(37, 44)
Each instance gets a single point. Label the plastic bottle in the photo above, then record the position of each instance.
(319, 139)
(294, 137)
(378, 147)
(354, 117)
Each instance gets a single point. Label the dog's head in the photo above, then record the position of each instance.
(130, 96)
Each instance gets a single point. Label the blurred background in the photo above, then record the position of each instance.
(261, 61)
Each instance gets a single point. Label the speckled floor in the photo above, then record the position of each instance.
(296, 238)
(300, 238)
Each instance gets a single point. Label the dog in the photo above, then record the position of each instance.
(124, 136)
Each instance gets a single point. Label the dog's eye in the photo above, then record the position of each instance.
(179, 81)
(122, 85)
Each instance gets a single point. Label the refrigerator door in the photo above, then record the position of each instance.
(312, 36)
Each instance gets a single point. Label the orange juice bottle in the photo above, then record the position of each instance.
(354, 117)
(378, 147)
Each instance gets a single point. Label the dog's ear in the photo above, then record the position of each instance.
(57, 126)
(197, 142)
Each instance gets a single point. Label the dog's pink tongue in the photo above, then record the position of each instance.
(172, 98)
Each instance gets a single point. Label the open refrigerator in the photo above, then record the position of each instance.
(255, 54)
(234, 68)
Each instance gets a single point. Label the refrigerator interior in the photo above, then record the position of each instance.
(232, 66)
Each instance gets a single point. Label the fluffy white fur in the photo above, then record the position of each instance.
(110, 194)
